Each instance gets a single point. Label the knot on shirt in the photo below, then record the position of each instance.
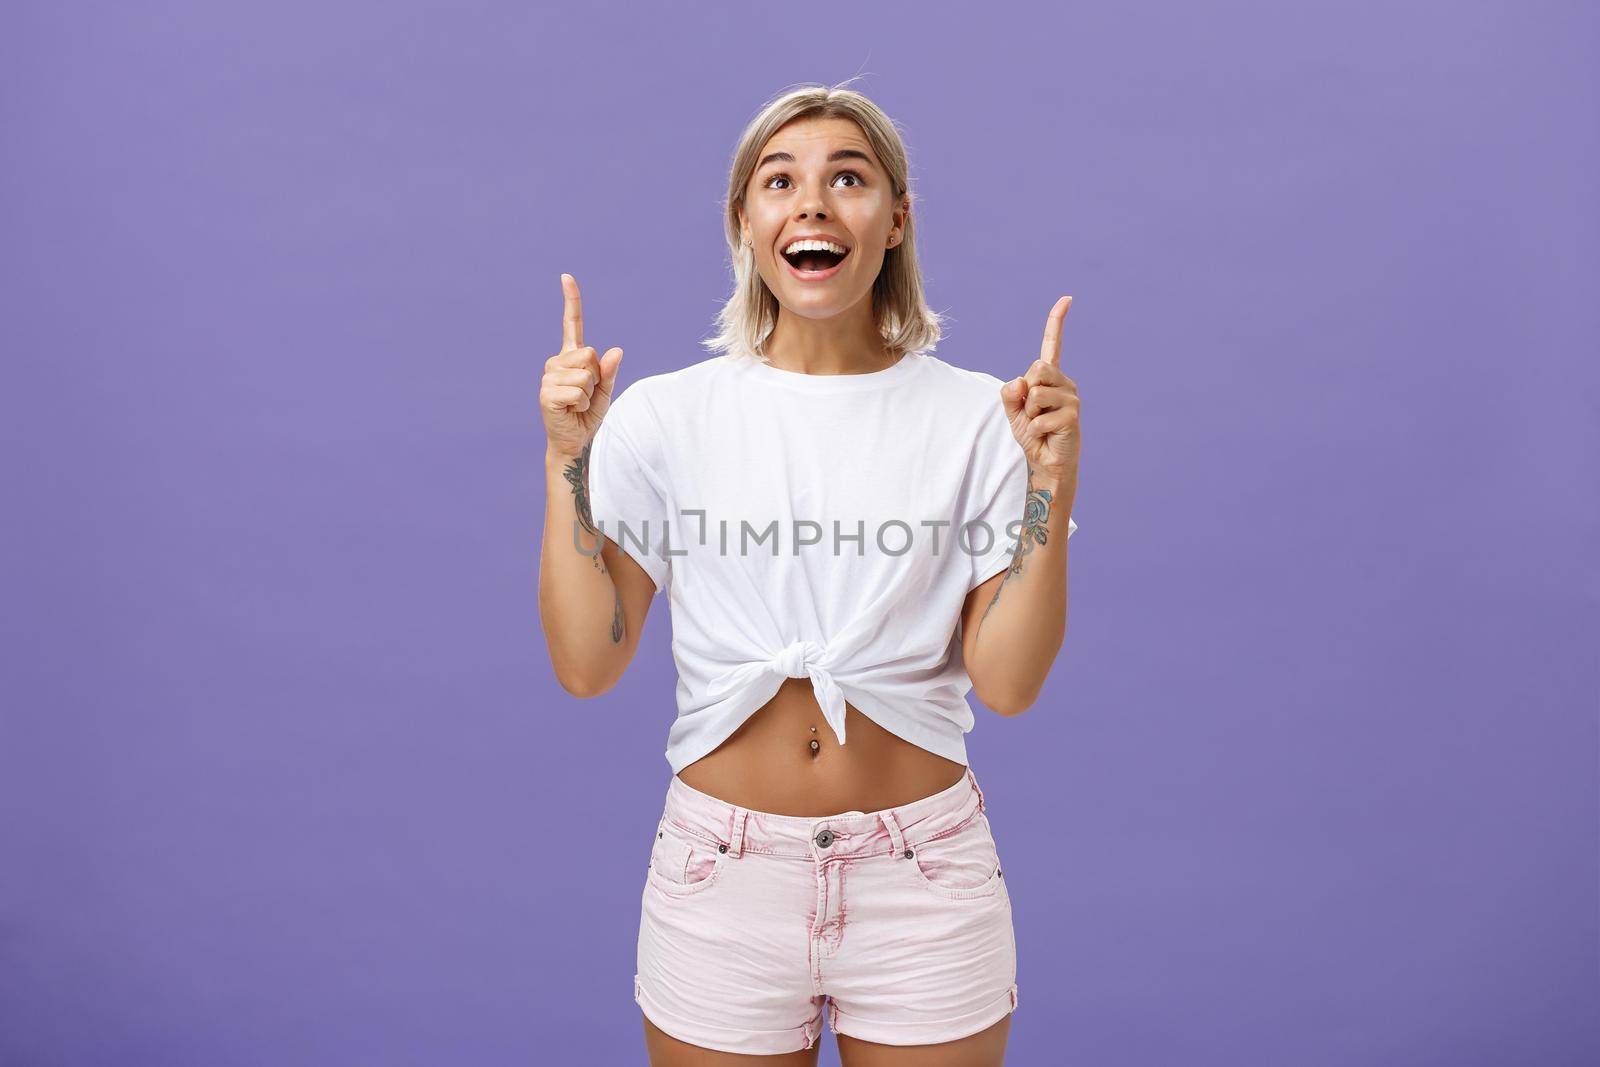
(796, 659)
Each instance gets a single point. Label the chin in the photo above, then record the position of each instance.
(809, 306)
(818, 302)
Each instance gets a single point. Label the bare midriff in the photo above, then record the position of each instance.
(784, 759)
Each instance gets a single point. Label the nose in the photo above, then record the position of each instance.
(812, 207)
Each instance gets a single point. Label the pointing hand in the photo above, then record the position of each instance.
(577, 386)
(1042, 406)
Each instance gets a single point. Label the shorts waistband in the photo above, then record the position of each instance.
(848, 834)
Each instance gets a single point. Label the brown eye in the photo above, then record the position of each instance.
(784, 177)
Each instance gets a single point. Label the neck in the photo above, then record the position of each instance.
(847, 343)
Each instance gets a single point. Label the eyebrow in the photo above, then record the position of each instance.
(843, 153)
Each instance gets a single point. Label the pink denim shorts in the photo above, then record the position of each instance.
(895, 924)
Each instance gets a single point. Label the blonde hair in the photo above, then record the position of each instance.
(899, 308)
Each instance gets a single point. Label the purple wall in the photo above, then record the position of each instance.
(285, 776)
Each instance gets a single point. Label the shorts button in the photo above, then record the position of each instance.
(722, 848)
(825, 838)
(908, 853)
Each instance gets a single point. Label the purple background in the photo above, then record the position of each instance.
(285, 776)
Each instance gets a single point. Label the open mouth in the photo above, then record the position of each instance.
(815, 261)
(814, 258)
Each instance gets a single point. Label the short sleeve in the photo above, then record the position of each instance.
(629, 495)
(996, 492)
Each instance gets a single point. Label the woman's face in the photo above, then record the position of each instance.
(819, 176)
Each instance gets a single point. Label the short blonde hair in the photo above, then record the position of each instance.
(899, 308)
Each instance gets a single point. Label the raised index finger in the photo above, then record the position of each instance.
(572, 314)
(1050, 348)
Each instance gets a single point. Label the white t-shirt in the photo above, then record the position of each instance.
(821, 526)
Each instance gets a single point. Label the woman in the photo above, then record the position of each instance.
(836, 513)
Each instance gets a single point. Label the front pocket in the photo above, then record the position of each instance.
(960, 865)
(681, 863)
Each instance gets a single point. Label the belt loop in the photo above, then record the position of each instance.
(736, 835)
(897, 840)
(973, 778)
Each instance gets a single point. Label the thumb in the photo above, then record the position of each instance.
(1012, 395)
(609, 364)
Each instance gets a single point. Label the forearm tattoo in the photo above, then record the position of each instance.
(1035, 531)
(577, 473)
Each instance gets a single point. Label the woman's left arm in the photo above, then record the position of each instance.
(1014, 623)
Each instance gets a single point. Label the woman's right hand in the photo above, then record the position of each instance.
(576, 390)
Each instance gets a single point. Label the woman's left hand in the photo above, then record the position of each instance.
(1042, 407)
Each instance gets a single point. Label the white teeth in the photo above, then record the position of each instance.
(814, 246)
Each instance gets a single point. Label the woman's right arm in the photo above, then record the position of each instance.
(592, 604)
